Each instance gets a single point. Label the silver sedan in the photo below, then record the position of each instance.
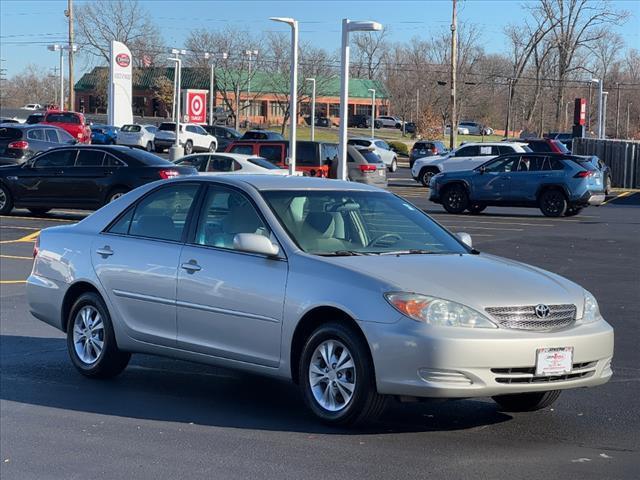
(348, 290)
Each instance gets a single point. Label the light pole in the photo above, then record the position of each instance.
(313, 107)
(176, 91)
(212, 82)
(250, 54)
(293, 90)
(56, 48)
(174, 151)
(627, 129)
(348, 26)
(508, 123)
(600, 95)
(373, 111)
(604, 114)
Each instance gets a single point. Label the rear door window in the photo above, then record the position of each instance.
(57, 159)
(504, 149)
(470, 151)
(273, 153)
(36, 134)
(89, 158)
(52, 135)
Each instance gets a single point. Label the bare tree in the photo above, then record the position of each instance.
(577, 24)
(605, 50)
(101, 21)
(370, 50)
(33, 84)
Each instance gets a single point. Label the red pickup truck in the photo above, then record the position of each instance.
(73, 122)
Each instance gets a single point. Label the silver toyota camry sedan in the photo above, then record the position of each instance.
(349, 291)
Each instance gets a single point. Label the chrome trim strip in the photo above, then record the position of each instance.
(146, 298)
(224, 311)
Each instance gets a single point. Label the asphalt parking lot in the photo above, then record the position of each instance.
(170, 419)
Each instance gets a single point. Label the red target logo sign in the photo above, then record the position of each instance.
(196, 102)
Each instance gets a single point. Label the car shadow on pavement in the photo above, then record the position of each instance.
(37, 371)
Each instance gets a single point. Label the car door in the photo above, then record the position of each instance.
(461, 159)
(39, 182)
(526, 177)
(91, 177)
(136, 260)
(493, 182)
(382, 148)
(230, 302)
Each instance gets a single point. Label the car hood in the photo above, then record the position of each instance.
(479, 281)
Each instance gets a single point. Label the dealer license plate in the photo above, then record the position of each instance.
(381, 172)
(554, 361)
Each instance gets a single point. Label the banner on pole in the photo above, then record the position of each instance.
(120, 76)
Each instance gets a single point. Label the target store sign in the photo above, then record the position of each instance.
(196, 106)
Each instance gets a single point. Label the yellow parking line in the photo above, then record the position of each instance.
(621, 195)
(26, 239)
(16, 257)
(11, 282)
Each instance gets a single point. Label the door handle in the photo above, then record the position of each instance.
(191, 266)
(59, 172)
(108, 172)
(105, 251)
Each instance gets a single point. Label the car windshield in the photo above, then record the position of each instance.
(263, 162)
(167, 127)
(339, 222)
(560, 146)
(130, 128)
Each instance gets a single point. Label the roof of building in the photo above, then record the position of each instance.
(261, 82)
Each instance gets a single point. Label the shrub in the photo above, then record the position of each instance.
(399, 147)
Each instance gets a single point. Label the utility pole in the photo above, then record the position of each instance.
(627, 130)
(605, 95)
(617, 107)
(541, 134)
(453, 131)
(506, 128)
(589, 109)
(69, 13)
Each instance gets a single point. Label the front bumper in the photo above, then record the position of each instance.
(415, 359)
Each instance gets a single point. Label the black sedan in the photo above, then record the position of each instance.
(19, 142)
(83, 177)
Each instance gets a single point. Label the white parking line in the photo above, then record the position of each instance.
(485, 228)
(14, 227)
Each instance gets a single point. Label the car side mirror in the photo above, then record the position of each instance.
(465, 238)
(254, 243)
(482, 170)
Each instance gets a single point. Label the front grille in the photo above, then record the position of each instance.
(526, 374)
(525, 318)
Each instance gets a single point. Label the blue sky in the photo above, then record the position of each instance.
(26, 26)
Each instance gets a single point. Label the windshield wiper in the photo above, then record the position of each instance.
(342, 253)
(414, 251)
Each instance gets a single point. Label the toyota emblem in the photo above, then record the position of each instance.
(542, 311)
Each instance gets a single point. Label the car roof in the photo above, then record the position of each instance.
(263, 182)
(493, 144)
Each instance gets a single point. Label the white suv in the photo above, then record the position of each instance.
(193, 138)
(466, 157)
(381, 147)
(389, 121)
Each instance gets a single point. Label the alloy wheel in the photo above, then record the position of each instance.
(332, 375)
(88, 334)
(553, 203)
(115, 196)
(3, 199)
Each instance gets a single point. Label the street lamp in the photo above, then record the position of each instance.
(293, 90)
(212, 56)
(600, 95)
(250, 54)
(604, 114)
(313, 107)
(177, 52)
(373, 111)
(174, 151)
(61, 48)
(348, 26)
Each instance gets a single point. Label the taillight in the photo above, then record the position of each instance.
(19, 145)
(368, 168)
(583, 174)
(36, 247)
(434, 150)
(166, 174)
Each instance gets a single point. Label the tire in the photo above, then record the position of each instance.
(188, 147)
(394, 165)
(425, 176)
(607, 185)
(99, 357)
(149, 147)
(212, 147)
(476, 208)
(39, 211)
(552, 203)
(526, 402)
(115, 194)
(6, 200)
(572, 211)
(365, 404)
(455, 198)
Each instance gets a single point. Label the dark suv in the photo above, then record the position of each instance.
(557, 184)
(426, 148)
(19, 142)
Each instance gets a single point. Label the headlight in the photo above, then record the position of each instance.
(591, 311)
(437, 312)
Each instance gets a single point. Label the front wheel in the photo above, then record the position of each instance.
(426, 174)
(337, 377)
(6, 201)
(552, 203)
(149, 147)
(212, 147)
(115, 194)
(455, 199)
(394, 165)
(607, 185)
(526, 402)
(91, 340)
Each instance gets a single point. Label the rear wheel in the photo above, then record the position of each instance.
(455, 199)
(476, 208)
(39, 211)
(425, 175)
(526, 402)
(394, 165)
(337, 378)
(149, 147)
(6, 202)
(188, 147)
(91, 340)
(115, 194)
(212, 147)
(552, 203)
(607, 185)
